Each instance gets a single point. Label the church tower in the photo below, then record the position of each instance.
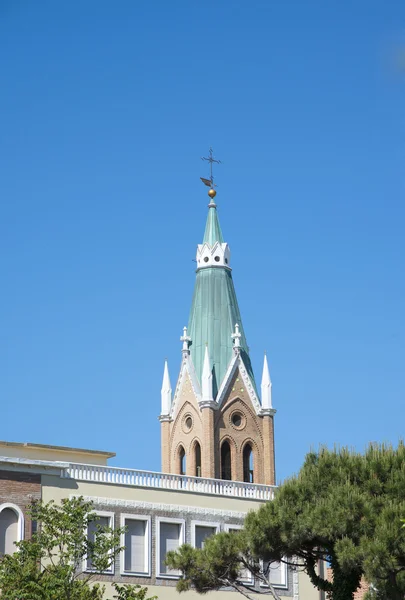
(215, 424)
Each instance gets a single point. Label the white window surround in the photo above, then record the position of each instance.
(207, 524)
(249, 577)
(283, 583)
(21, 520)
(110, 516)
(182, 530)
(148, 544)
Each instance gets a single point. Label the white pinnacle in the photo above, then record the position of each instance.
(266, 386)
(206, 379)
(166, 391)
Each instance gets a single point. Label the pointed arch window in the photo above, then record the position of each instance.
(182, 461)
(226, 468)
(197, 457)
(248, 467)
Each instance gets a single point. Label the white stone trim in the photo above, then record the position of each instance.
(155, 506)
(187, 367)
(249, 386)
(21, 519)
(230, 372)
(111, 517)
(296, 581)
(148, 544)
(237, 362)
(232, 527)
(194, 524)
(182, 539)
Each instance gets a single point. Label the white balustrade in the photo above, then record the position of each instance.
(167, 481)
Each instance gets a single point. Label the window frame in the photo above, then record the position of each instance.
(235, 527)
(282, 586)
(148, 545)
(182, 539)
(111, 516)
(194, 524)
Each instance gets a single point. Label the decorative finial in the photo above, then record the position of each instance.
(210, 182)
(236, 336)
(186, 339)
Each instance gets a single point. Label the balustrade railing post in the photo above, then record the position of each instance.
(103, 474)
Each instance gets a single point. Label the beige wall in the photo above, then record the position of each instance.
(306, 589)
(49, 453)
(170, 593)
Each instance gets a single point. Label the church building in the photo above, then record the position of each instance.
(215, 425)
(217, 438)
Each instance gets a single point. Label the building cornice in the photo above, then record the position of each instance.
(161, 507)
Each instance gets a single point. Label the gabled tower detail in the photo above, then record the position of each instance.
(216, 426)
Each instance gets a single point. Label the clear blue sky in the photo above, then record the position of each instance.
(105, 110)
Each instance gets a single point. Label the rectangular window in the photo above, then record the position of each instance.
(170, 535)
(277, 573)
(200, 530)
(135, 558)
(104, 519)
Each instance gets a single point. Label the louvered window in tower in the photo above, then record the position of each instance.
(182, 461)
(197, 454)
(248, 464)
(226, 469)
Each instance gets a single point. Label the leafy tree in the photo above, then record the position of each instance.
(49, 565)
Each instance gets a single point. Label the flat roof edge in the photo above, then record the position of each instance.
(60, 448)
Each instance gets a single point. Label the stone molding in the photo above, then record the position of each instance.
(157, 506)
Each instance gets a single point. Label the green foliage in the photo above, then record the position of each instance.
(220, 563)
(211, 567)
(344, 508)
(49, 566)
(131, 592)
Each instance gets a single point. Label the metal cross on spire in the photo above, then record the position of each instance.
(210, 182)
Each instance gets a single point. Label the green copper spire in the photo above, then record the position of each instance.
(214, 310)
(213, 231)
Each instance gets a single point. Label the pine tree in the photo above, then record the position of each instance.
(343, 508)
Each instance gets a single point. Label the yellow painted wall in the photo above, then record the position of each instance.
(52, 454)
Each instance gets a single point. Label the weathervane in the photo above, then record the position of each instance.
(210, 182)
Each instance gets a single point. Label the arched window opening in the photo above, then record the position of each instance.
(226, 469)
(8, 531)
(248, 464)
(197, 455)
(182, 461)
